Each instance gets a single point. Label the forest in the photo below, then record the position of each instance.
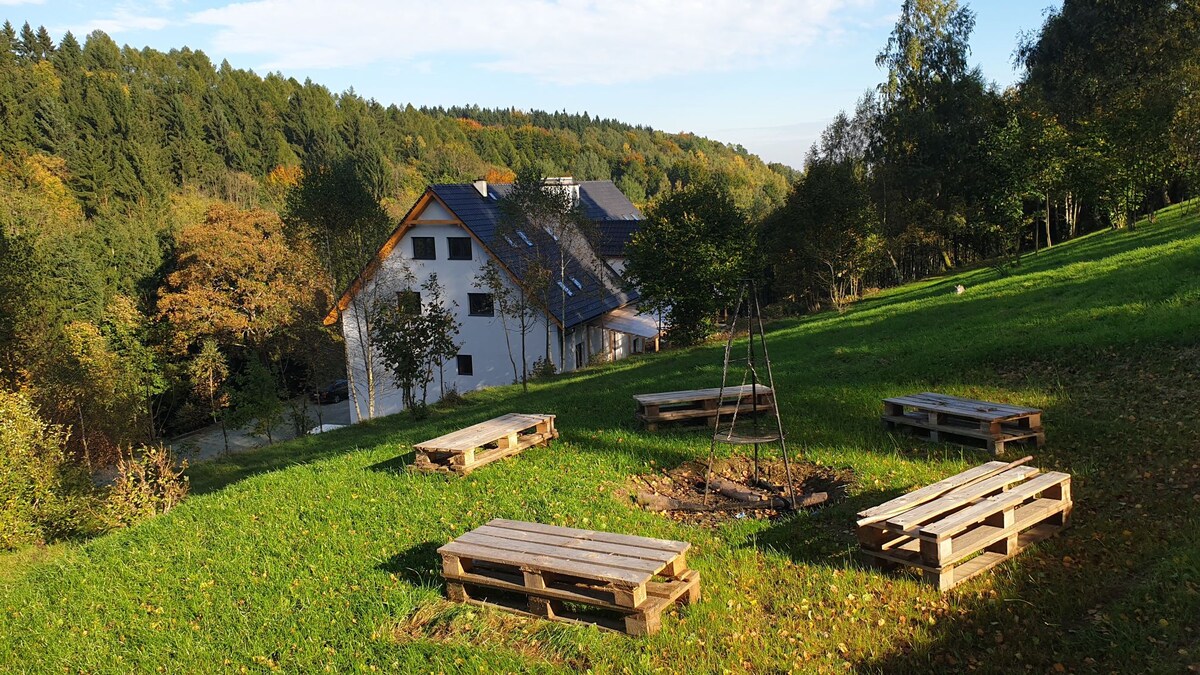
(172, 230)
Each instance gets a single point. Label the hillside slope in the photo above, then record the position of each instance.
(320, 552)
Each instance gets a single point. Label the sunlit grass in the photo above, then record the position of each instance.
(320, 552)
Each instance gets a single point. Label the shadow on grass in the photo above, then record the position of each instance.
(419, 565)
(397, 465)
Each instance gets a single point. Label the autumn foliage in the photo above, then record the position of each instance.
(239, 280)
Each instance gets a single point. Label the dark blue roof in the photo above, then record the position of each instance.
(599, 289)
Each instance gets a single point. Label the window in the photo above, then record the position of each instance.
(481, 304)
(423, 248)
(576, 282)
(460, 248)
(550, 232)
(408, 302)
(464, 365)
(524, 238)
(566, 290)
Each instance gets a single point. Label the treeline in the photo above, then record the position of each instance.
(937, 168)
(172, 230)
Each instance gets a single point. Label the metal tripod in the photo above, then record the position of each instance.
(752, 432)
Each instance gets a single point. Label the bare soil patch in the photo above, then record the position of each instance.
(679, 493)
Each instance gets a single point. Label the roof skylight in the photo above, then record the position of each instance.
(566, 290)
(524, 238)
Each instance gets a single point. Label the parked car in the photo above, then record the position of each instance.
(338, 390)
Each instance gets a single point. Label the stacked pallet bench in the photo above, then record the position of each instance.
(468, 449)
(965, 421)
(966, 524)
(545, 566)
(702, 404)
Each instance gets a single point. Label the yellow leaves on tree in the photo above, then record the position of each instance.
(240, 281)
(284, 176)
(500, 175)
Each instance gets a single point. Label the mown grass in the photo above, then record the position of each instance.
(319, 554)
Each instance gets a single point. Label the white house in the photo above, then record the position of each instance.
(452, 231)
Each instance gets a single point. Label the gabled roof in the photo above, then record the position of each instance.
(599, 288)
(615, 216)
(594, 288)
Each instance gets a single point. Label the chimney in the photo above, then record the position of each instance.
(481, 187)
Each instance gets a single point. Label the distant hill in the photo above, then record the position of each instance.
(135, 125)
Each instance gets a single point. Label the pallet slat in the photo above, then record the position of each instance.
(693, 395)
(594, 535)
(574, 543)
(936, 488)
(977, 512)
(565, 553)
(959, 497)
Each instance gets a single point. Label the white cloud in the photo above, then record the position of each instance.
(121, 22)
(557, 41)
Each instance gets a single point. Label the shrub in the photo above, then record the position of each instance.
(148, 483)
(542, 369)
(42, 495)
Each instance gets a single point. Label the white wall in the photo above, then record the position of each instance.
(481, 337)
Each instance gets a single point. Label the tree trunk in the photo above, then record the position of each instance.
(1049, 240)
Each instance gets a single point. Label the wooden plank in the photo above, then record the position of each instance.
(986, 561)
(585, 570)
(956, 522)
(594, 535)
(961, 403)
(957, 498)
(655, 554)
(1026, 516)
(564, 553)
(547, 603)
(695, 413)
(692, 395)
(1005, 434)
(916, 496)
(963, 407)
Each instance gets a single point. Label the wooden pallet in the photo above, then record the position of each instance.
(465, 450)
(968, 523)
(545, 566)
(940, 417)
(702, 404)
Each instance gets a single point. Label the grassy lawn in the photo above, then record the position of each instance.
(319, 553)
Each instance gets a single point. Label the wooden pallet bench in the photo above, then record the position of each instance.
(545, 566)
(702, 404)
(940, 417)
(968, 523)
(465, 450)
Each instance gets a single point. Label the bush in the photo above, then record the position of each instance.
(44, 497)
(542, 369)
(147, 484)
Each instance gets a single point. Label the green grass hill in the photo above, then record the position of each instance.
(320, 553)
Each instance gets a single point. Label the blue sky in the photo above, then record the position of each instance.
(768, 74)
